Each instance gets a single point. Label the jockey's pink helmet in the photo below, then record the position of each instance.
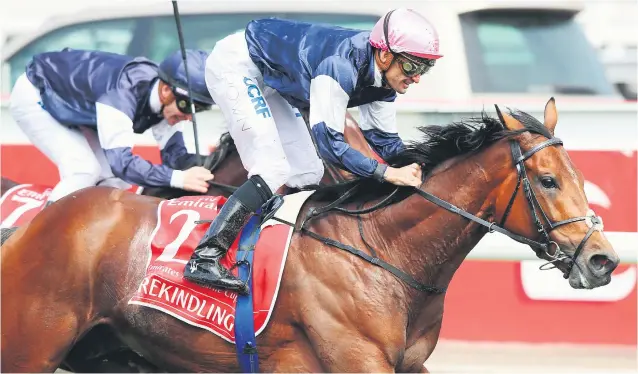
(406, 31)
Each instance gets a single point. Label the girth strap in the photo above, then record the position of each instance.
(373, 260)
(378, 262)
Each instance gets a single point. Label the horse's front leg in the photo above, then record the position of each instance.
(293, 357)
(303, 355)
(417, 354)
(344, 348)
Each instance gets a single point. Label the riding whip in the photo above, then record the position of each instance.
(188, 80)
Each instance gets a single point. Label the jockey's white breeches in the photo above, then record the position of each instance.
(75, 151)
(271, 136)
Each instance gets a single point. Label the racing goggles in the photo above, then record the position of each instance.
(411, 67)
(184, 103)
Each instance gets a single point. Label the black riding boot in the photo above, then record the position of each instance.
(204, 266)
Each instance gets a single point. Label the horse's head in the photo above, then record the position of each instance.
(544, 200)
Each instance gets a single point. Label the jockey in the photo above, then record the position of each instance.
(82, 109)
(261, 77)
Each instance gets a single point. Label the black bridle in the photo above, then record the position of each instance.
(541, 248)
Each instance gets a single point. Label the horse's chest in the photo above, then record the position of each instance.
(417, 354)
(423, 334)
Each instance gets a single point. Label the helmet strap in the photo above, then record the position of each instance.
(386, 23)
(385, 67)
(384, 82)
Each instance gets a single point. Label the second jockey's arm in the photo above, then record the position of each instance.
(173, 152)
(115, 131)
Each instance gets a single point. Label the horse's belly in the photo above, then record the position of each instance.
(172, 344)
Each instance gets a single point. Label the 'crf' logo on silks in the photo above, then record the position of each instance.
(547, 285)
(257, 98)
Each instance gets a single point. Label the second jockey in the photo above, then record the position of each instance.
(82, 109)
(259, 78)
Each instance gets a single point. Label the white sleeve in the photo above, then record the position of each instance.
(162, 132)
(114, 128)
(115, 131)
(328, 103)
(379, 115)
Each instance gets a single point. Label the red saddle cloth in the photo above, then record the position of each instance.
(173, 241)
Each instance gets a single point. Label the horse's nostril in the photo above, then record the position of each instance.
(601, 264)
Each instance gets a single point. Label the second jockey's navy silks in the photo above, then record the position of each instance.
(72, 81)
(112, 94)
(328, 69)
(171, 144)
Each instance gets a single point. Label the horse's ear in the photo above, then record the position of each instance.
(500, 115)
(508, 121)
(551, 115)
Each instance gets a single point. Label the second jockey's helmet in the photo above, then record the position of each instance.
(408, 34)
(172, 72)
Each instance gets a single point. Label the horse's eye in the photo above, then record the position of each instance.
(549, 182)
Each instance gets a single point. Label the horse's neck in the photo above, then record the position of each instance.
(429, 242)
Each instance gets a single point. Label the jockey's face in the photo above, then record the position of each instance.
(171, 113)
(394, 75)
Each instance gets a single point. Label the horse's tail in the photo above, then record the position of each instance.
(6, 234)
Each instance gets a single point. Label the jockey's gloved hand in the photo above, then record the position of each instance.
(195, 179)
(409, 175)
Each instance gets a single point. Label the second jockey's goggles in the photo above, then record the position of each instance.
(184, 103)
(411, 67)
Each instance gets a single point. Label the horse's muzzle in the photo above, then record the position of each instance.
(595, 270)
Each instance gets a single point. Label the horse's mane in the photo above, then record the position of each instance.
(438, 144)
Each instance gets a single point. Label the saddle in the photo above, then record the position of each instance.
(215, 158)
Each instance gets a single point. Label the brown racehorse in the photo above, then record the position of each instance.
(78, 262)
(101, 351)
